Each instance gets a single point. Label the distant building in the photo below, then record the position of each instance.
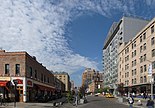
(94, 86)
(120, 32)
(59, 86)
(32, 77)
(91, 78)
(72, 85)
(65, 78)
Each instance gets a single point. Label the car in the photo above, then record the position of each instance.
(109, 95)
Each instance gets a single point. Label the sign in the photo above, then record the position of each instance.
(19, 81)
(150, 70)
(5, 78)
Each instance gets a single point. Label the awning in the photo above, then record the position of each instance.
(41, 87)
(3, 83)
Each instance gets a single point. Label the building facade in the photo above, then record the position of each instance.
(32, 77)
(119, 32)
(91, 80)
(95, 86)
(134, 60)
(65, 78)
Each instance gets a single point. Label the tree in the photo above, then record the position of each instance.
(106, 89)
(120, 88)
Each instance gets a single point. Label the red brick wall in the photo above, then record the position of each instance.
(12, 59)
(25, 61)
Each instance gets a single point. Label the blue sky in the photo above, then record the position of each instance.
(65, 35)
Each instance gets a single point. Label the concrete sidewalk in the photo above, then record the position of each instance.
(136, 105)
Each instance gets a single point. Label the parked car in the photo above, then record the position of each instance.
(109, 95)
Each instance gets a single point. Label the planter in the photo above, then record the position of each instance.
(122, 99)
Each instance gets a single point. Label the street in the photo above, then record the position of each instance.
(101, 102)
(93, 102)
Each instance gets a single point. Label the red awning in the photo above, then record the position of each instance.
(3, 83)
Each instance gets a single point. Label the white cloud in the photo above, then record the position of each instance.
(38, 27)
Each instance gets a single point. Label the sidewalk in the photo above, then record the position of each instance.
(143, 101)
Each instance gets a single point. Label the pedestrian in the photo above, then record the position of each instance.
(144, 95)
(150, 103)
(130, 101)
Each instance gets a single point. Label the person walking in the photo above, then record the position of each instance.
(130, 101)
(150, 103)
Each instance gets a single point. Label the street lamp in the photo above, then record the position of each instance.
(15, 82)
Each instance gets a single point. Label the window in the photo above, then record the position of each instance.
(153, 64)
(145, 68)
(144, 36)
(17, 68)
(134, 62)
(135, 81)
(153, 52)
(135, 53)
(132, 54)
(132, 81)
(132, 72)
(141, 59)
(7, 68)
(144, 57)
(132, 45)
(35, 74)
(135, 44)
(44, 78)
(141, 79)
(30, 71)
(141, 69)
(152, 41)
(144, 46)
(145, 80)
(135, 71)
(41, 77)
(141, 39)
(126, 50)
(48, 80)
(152, 29)
(141, 49)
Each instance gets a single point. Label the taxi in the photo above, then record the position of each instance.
(109, 95)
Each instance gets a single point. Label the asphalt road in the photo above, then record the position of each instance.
(93, 102)
(101, 102)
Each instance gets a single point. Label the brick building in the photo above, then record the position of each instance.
(92, 80)
(32, 77)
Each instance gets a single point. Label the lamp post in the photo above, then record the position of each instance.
(15, 83)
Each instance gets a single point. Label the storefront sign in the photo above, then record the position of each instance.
(19, 81)
(5, 78)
